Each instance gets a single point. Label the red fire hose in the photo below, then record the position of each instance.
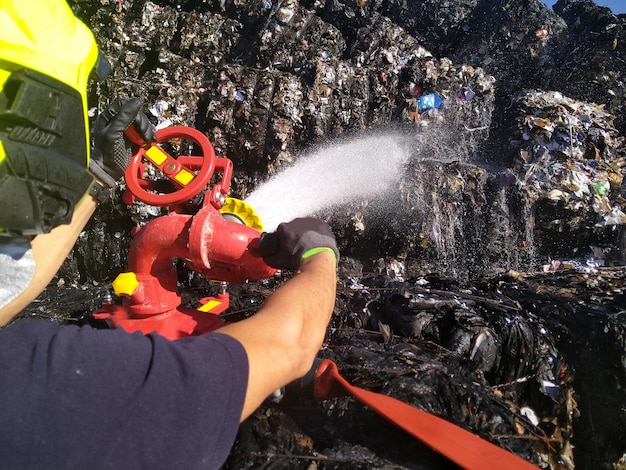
(460, 446)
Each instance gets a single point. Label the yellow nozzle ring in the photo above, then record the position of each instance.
(243, 212)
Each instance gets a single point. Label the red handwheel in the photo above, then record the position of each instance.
(189, 174)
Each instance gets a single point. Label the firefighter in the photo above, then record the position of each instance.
(78, 397)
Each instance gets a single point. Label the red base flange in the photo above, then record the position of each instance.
(173, 324)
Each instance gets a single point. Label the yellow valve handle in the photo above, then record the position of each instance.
(168, 165)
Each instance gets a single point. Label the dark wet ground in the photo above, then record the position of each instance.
(491, 357)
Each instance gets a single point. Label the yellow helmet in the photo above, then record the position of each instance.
(46, 58)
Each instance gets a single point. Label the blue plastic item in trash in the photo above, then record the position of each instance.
(430, 101)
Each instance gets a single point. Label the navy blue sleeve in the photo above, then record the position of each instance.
(78, 397)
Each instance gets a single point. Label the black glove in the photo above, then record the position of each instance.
(112, 152)
(296, 240)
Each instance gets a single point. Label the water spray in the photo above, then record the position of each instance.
(331, 175)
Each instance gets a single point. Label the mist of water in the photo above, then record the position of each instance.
(364, 167)
(400, 181)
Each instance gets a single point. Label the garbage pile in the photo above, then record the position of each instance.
(570, 167)
(264, 82)
(561, 202)
(570, 153)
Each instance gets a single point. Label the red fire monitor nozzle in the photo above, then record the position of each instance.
(218, 247)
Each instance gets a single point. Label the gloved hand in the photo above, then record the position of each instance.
(296, 240)
(112, 152)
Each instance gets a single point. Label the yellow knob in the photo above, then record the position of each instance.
(125, 284)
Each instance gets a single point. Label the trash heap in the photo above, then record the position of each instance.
(570, 164)
(265, 82)
(450, 217)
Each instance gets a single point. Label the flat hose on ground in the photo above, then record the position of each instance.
(460, 446)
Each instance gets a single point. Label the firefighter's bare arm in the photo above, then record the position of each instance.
(283, 338)
(49, 251)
